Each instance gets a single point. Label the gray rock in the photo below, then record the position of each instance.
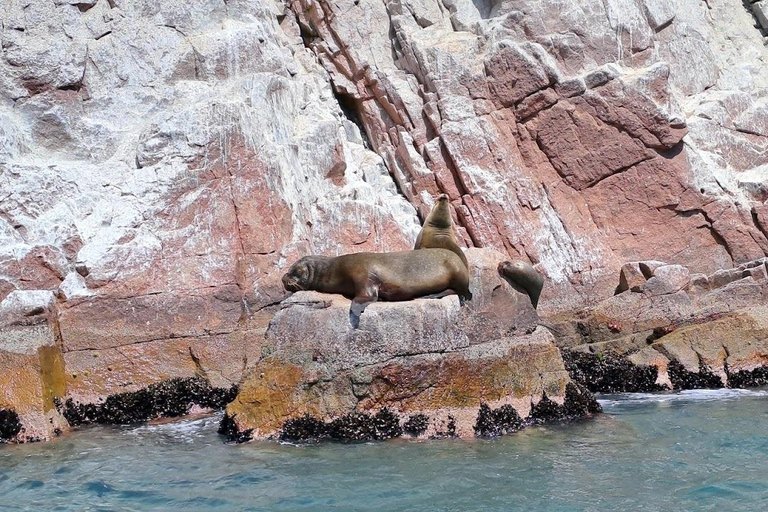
(668, 279)
(631, 278)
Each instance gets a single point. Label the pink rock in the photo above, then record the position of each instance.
(140, 319)
(514, 74)
(648, 268)
(699, 284)
(723, 277)
(668, 279)
(630, 278)
(582, 148)
(758, 273)
(5, 288)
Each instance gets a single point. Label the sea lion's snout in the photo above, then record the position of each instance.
(291, 282)
(443, 197)
(301, 276)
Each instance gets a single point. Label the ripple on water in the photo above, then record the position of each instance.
(30, 484)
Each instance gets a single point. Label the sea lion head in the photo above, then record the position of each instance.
(301, 275)
(519, 270)
(523, 277)
(440, 215)
(505, 267)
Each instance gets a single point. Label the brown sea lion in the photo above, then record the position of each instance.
(393, 276)
(437, 231)
(523, 278)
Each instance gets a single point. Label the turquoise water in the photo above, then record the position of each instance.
(696, 450)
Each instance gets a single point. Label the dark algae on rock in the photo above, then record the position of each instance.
(579, 403)
(9, 425)
(497, 422)
(386, 424)
(167, 399)
(610, 373)
(416, 425)
(356, 426)
(684, 379)
(228, 428)
(748, 378)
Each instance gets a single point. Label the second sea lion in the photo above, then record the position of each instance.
(523, 277)
(437, 231)
(393, 276)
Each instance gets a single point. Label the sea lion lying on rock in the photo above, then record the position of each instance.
(393, 276)
(437, 231)
(523, 278)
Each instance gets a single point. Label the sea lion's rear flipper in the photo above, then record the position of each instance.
(364, 297)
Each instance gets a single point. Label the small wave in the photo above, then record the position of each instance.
(681, 396)
(185, 429)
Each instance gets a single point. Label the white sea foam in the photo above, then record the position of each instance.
(681, 396)
(185, 430)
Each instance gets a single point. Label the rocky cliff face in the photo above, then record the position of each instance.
(162, 163)
(578, 135)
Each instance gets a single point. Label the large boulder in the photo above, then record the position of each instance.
(31, 369)
(430, 360)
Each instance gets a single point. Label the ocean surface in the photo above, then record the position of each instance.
(688, 451)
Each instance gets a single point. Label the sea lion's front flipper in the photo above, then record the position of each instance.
(356, 309)
(364, 297)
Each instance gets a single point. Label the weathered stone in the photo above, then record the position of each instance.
(738, 341)
(583, 149)
(451, 383)
(659, 13)
(708, 332)
(535, 103)
(630, 278)
(648, 268)
(514, 74)
(668, 279)
(699, 284)
(723, 277)
(758, 273)
(134, 320)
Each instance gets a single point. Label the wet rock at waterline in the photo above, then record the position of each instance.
(31, 367)
(9, 425)
(670, 328)
(418, 368)
(610, 373)
(167, 399)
